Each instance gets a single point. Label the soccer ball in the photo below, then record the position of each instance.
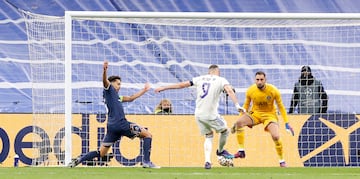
(226, 162)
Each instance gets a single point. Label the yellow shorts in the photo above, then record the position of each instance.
(263, 117)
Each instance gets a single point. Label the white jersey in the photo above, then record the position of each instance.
(208, 90)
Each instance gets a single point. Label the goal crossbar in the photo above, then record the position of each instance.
(210, 15)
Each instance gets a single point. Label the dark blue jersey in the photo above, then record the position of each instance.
(116, 115)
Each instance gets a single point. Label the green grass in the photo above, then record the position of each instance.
(178, 173)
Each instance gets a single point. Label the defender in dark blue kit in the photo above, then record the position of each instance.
(117, 125)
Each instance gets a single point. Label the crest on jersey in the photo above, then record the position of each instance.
(268, 98)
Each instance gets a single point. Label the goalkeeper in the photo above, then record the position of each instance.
(117, 125)
(262, 96)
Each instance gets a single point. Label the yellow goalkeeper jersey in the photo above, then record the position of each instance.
(263, 100)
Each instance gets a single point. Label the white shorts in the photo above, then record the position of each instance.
(207, 125)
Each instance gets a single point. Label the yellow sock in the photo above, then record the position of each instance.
(279, 149)
(240, 136)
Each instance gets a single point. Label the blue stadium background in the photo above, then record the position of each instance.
(15, 86)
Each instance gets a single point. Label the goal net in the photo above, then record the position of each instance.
(164, 48)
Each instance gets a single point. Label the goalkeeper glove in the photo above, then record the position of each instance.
(289, 129)
(239, 108)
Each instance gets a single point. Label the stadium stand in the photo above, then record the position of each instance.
(15, 86)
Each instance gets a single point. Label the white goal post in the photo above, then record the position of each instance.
(169, 47)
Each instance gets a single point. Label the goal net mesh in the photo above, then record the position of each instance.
(163, 51)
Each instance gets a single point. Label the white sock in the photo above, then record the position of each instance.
(207, 148)
(222, 140)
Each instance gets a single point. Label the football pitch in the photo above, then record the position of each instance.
(177, 173)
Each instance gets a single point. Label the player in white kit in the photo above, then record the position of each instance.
(208, 88)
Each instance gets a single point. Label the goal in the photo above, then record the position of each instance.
(161, 48)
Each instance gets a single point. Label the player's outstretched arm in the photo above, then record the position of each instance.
(138, 94)
(173, 86)
(106, 82)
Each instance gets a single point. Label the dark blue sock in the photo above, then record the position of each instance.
(89, 156)
(147, 149)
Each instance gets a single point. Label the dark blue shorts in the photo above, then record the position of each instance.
(114, 134)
